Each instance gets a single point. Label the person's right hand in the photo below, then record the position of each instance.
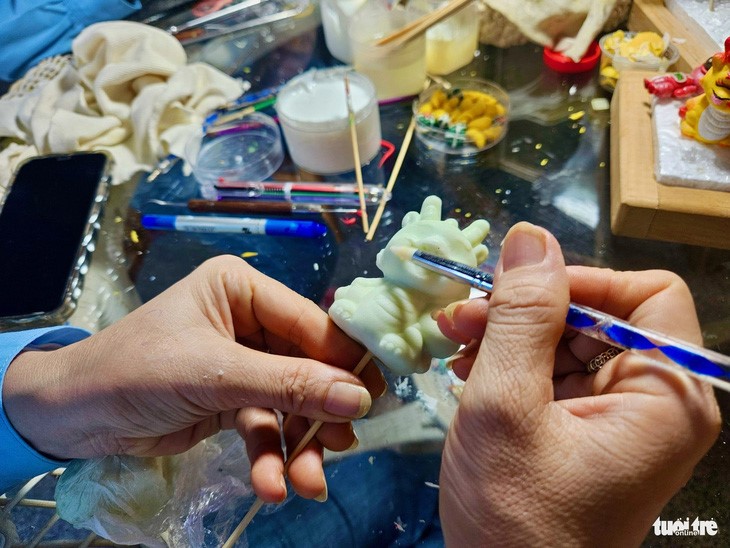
(542, 452)
(223, 348)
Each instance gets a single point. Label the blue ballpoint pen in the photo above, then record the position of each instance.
(241, 225)
(710, 366)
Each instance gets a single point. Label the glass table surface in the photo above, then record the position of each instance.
(551, 169)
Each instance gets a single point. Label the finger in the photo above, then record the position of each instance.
(655, 299)
(527, 313)
(234, 377)
(575, 351)
(305, 470)
(462, 362)
(337, 436)
(260, 430)
(371, 375)
(463, 321)
(258, 302)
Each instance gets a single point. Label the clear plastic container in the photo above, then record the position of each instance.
(450, 44)
(336, 15)
(475, 120)
(312, 110)
(612, 64)
(250, 150)
(395, 71)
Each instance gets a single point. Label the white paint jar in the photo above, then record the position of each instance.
(313, 115)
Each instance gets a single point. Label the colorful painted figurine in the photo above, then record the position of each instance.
(706, 117)
(678, 85)
(391, 316)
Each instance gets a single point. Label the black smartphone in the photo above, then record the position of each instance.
(48, 222)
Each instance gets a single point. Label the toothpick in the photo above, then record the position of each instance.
(356, 154)
(393, 177)
(258, 503)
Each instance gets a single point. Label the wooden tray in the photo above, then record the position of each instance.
(641, 207)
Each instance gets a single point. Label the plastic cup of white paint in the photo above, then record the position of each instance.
(313, 115)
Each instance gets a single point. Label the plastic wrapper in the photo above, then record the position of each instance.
(183, 500)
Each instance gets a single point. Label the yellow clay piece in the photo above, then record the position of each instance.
(481, 123)
(474, 111)
(477, 137)
(493, 133)
(438, 98)
(453, 102)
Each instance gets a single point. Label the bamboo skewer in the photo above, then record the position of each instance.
(422, 24)
(356, 155)
(393, 176)
(258, 503)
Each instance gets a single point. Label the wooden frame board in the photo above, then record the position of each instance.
(641, 207)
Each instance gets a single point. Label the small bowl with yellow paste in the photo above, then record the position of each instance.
(622, 50)
(463, 116)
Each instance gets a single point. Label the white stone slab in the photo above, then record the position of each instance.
(682, 161)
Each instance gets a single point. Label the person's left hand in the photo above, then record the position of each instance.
(223, 348)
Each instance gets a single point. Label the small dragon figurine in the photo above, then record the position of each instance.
(391, 316)
(706, 117)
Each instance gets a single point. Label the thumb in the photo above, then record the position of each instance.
(526, 319)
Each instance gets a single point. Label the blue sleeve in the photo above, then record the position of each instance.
(18, 460)
(34, 29)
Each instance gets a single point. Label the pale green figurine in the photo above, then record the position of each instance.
(391, 316)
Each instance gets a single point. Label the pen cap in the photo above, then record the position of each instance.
(158, 221)
(247, 150)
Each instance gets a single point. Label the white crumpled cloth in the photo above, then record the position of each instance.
(128, 90)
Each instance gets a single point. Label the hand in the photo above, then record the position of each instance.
(539, 448)
(221, 349)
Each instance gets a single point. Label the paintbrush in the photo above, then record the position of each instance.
(661, 349)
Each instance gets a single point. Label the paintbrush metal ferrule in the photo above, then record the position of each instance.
(658, 348)
(474, 277)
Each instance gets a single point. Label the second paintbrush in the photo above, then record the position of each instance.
(258, 206)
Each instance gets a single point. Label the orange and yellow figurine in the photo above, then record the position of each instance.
(707, 116)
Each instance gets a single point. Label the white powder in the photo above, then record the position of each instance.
(322, 101)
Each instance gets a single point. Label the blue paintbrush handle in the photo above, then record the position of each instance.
(604, 327)
(622, 334)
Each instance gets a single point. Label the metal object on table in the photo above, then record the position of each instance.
(244, 15)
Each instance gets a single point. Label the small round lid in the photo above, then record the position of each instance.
(564, 64)
(251, 150)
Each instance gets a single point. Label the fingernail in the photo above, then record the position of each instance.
(283, 490)
(355, 442)
(347, 400)
(449, 311)
(385, 388)
(467, 350)
(322, 497)
(524, 245)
